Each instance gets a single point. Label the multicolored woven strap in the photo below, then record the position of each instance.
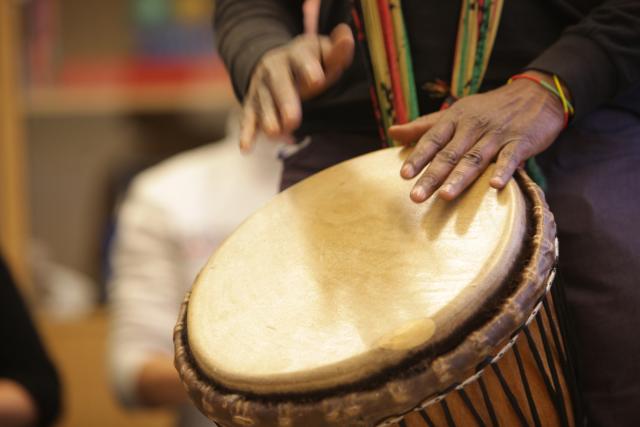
(381, 31)
(477, 29)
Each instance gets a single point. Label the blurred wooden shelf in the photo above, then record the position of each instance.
(129, 99)
(124, 85)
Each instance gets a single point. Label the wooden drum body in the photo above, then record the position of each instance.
(342, 303)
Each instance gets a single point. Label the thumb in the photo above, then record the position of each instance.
(337, 51)
(411, 132)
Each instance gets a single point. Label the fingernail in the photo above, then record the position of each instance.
(269, 128)
(407, 170)
(418, 194)
(289, 110)
(496, 182)
(447, 188)
(313, 75)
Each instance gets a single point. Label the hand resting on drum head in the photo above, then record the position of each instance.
(513, 123)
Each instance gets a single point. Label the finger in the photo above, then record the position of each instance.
(472, 164)
(466, 135)
(285, 96)
(508, 161)
(306, 66)
(435, 174)
(425, 186)
(445, 161)
(427, 147)
(267, 114)
(410, 132)
(337, 52)
(248, 128)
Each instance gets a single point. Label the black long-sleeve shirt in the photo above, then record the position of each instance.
(594, 46)
(23, 358)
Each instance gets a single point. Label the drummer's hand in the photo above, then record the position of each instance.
(286, 75)
(513, 122)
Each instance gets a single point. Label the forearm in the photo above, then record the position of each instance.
(599, 57)
(17, 408)
(146, 287)
(246, 30)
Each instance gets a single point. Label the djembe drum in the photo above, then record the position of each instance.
(342, 303)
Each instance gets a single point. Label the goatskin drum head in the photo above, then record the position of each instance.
(342, 276)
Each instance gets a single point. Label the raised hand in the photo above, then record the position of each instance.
(287, 75)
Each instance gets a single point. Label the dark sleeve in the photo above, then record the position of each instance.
(22, 356)
(599, 57)
(246, 30)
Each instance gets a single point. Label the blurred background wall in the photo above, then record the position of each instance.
(92, 92)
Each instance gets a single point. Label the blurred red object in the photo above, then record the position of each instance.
(140, 71)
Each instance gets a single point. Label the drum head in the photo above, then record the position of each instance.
(342, 276)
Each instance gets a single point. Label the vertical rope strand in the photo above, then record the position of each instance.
(536, 357)
(527, 389)
(515, 405)
(425, 417)
(546, 308)
(470, 406)
(487, 403)
(562, 412)
(567, 331)
(447, 413)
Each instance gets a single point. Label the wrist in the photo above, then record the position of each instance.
(548, 78)
(555, 90)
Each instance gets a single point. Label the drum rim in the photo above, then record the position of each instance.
(401, 395)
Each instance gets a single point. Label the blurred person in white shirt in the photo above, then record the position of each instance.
(174, 216)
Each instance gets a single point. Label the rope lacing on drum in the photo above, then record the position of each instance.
(552, 382)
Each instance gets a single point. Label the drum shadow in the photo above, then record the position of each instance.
(441, 212)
